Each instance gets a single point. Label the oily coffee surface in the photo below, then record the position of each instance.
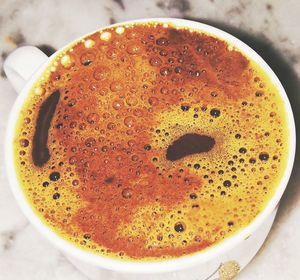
(147, 141)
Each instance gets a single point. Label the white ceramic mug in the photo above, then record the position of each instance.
(25, 65)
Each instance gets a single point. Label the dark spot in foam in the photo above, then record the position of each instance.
(189, 144)
(45, 184)
(56, 196)
(54, 176)
(215, 113)
(185, 108)
(147, 147)
(179, 227)
(109, 180)
(263, 156)
(87, 236)
(193, 196)
(227, 183)
(196, 165)
(40, 151)
(47, 49)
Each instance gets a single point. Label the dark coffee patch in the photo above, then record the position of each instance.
(189, 144)
(40, 151)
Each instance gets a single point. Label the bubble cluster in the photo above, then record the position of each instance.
(163, 142)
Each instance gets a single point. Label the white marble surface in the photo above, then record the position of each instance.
(271, 27)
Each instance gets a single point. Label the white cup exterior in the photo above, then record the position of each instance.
(24, 66)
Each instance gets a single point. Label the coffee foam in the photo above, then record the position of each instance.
(126, 95)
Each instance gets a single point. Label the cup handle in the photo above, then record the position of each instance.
(21, 64)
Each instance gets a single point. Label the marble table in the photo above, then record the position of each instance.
(270, 27)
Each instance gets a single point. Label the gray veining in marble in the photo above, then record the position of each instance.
(270, 27)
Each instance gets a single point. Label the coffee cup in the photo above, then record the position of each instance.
(24, 66)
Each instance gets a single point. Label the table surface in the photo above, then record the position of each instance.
(270, 27)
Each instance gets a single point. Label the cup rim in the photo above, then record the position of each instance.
(160, 266)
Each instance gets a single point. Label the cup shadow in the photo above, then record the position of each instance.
(291, 82)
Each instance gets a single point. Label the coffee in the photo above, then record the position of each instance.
(148, 141)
